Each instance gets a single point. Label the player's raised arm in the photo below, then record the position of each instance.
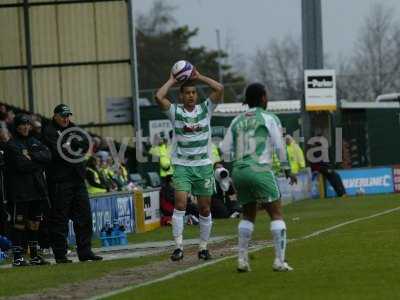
(218, 89)
(161, 95)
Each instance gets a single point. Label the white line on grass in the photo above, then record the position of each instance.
(257, 248)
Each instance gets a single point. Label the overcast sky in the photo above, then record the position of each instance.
(251, 23)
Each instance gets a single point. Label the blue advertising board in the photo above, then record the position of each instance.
(364, 181)
(296, 192)
(110, 208)
(302, 190)
(285, 190)
(315, 191)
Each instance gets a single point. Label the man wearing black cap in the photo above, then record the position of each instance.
(66, 179)
(26, 158)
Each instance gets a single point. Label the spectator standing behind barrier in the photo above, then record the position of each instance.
(106, 173)
(120, 176)
(163, 151)
(68, 192)
(26, 158)
(295, 155)
(93, 181)
(328, 171)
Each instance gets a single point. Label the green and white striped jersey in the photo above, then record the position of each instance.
(253, 137)
(191, 144)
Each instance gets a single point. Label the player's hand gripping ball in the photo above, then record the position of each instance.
(182, 70)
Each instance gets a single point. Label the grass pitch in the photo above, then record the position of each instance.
(356, 261)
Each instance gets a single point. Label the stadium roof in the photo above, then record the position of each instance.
(287, 106)
(363, 105)
(293, 106)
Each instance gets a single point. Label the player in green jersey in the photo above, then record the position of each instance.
(191, 155)
(250, 141)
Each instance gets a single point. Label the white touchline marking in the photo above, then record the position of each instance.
(257, 248)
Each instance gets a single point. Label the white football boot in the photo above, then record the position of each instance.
(243, 264)
(279, 266)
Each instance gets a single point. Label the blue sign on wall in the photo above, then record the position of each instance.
(284, 189)
(364, 181)
(315, 192)
(109, 209)
(302, 190)
(112, 209)
(296, 192)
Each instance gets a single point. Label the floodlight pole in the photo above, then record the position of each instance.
(220, 75)
(28, 55)
(312, 51)
(134, 81)
(312, 34)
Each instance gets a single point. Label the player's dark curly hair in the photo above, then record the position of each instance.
(254, 93)
(188, 83)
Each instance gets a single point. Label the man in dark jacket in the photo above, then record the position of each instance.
(4, 213)
(327, 170)
(66, 179)
(26, 187)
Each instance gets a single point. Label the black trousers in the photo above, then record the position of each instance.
(22, 214)
(43, 234)
(70, 201)
(335, 180)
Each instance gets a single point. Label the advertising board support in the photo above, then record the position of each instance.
(139, 209)
(147, 209)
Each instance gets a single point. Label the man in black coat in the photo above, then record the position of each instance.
(66, 180)
(4, 213)
(26, 188)
(327, 170)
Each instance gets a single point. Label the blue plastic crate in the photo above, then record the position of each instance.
(3, 256)
(113, 240)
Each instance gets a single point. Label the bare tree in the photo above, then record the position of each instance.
(279, 66)
(348, 86)
(234, 58)
(158, 20)
(160, 42)
(375, 65)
